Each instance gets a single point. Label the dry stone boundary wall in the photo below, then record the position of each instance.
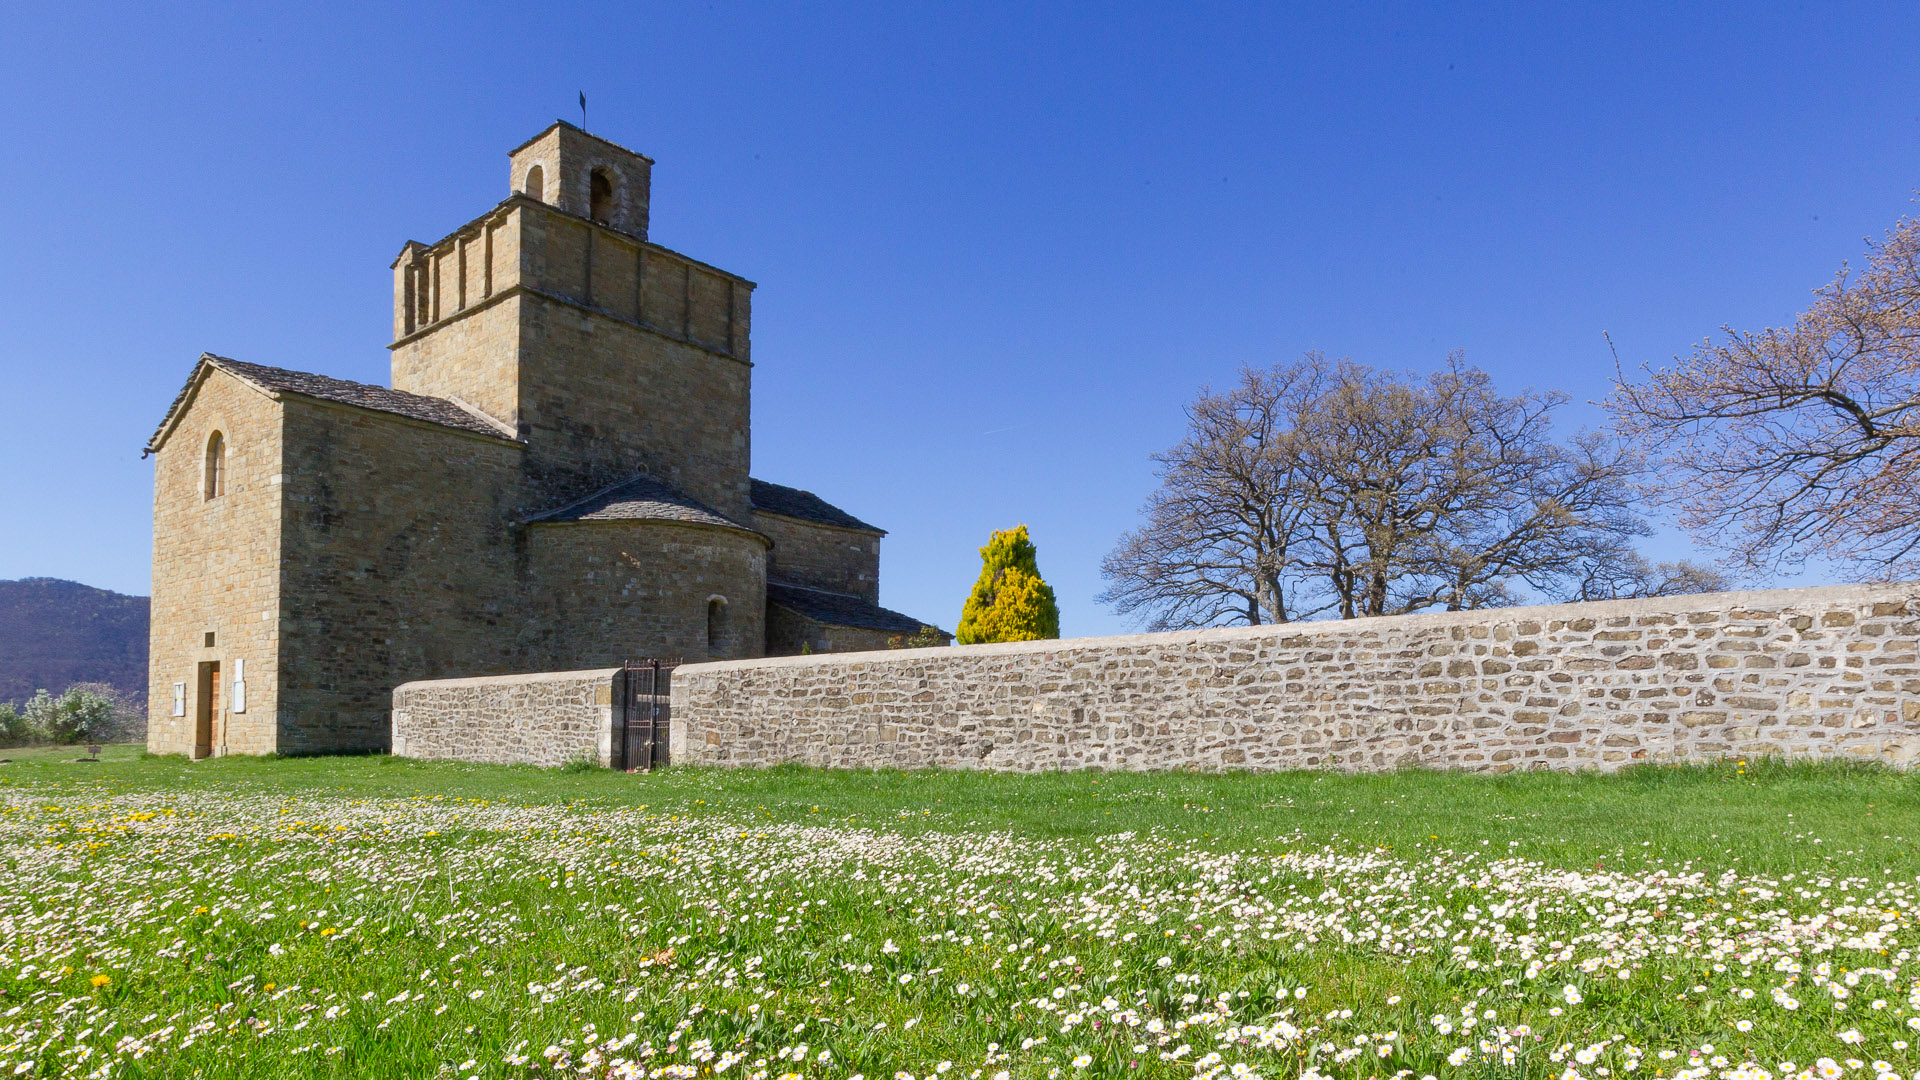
(546, 719)
(1803, 673)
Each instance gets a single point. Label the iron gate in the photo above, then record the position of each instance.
(648, 709)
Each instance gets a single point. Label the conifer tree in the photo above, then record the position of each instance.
(1010, 601)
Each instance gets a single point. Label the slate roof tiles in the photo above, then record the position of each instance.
(430, 410)
(839, 609)
(805, 505)
(640, 498)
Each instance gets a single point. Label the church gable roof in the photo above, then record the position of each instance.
(805, 505)
(273, 380)
(839, 609)
(640, 498)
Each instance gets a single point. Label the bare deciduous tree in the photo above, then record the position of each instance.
(1323, 486)
(1219, 541)
(1800, 441)
(1448, 494)
(1625, 574)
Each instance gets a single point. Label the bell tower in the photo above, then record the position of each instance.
(586, 176)
(606, 355)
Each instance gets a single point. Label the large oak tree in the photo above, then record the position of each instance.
(1327, 487)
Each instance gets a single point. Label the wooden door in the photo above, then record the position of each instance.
(207, 710)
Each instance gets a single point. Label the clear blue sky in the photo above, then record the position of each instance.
(997, 248)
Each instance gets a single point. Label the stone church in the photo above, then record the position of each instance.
(557, 479)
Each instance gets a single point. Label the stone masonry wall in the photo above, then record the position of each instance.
(607, 591)
(474, 358)
(1803, 673)
(216, 571)
(397, 563)
(602, 400)
(822, 556)
(789, 632)
(546, 719)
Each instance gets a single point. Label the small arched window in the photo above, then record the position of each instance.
(216, 478)
(536, 185)
(716, 625)
(600, 196)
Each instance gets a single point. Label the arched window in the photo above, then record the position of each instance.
(536, 185)
(216, 466)
(600, 196)
(716, 625)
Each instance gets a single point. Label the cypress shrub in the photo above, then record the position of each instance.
(1010, 601)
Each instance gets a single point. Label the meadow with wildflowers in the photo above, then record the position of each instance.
(372, 917)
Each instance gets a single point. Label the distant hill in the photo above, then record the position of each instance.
(55, 633)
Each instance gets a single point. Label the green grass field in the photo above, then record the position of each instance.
(371, 917)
